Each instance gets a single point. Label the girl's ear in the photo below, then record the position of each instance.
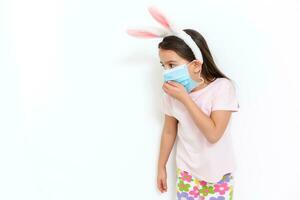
(197, 66)
(159, 17)
(197, 62)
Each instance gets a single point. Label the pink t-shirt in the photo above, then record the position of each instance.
(194, 153)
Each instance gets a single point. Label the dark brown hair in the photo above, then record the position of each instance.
(209, 70)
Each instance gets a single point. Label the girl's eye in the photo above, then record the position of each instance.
(170, 66)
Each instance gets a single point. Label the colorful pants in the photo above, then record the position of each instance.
(192, 188)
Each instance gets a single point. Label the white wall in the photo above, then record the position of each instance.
(80, 100)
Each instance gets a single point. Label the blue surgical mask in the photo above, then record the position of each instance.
(180, 74)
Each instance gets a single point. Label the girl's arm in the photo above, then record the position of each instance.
(168, 137)
(212, 127)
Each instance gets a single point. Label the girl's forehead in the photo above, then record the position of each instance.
(169, 55)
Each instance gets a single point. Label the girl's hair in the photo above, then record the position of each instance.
(209, 70)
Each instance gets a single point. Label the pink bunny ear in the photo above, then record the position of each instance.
(141, 33)
(158, 16)
(147, 32)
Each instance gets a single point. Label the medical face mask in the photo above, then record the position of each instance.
(180, 74)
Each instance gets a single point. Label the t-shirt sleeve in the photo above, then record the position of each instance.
(225, 97)
(166, 104)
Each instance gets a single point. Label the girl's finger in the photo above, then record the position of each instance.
(164, 182)
(164, 87)
(174, 84)
(160, 186)
(169, 85)
(166, 91)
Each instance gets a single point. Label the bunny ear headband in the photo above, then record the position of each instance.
(168, 29)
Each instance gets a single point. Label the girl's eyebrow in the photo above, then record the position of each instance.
(168, 61)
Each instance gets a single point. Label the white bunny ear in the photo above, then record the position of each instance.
(147, 32)
(159, 17)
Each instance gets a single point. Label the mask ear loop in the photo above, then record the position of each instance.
(199, 74)
(201, 78)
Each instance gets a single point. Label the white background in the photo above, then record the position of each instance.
(80, 114)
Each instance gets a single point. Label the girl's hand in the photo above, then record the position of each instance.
(162, 180)
(175, 90)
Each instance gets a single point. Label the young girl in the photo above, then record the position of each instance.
(197, 104)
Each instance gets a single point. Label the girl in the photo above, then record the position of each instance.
(198, 103)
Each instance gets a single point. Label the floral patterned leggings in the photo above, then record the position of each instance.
(189, 187)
